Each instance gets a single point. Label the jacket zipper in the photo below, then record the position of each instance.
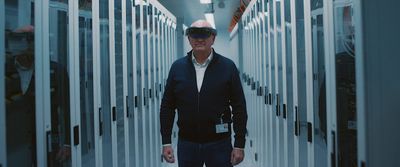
(198, 111)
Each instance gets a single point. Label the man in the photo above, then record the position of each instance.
(205, 89)
(20, 103)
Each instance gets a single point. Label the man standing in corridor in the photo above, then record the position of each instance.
(205, 89)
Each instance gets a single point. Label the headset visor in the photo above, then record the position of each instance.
(200, 32)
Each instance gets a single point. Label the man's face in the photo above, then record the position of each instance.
(201, 44)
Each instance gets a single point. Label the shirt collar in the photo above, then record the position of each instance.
(205, 63)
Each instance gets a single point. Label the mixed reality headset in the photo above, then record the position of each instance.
(200, 32)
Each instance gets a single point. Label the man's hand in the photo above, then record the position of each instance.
(168, 154)
(237, 156)
(64, 153)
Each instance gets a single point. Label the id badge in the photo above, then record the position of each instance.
(221, 128)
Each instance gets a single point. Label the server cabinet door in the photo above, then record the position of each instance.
(346, 112)
(86, 64)
(96, 84)
(20, 92)
(319, 84)
(300, 115)
(3, 152)
(131, 77)
(119, 76)
(105, 111)
(289, 84)
(145, 82)
(63, 135)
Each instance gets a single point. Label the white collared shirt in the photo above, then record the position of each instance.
(25, 76)
(201, 69)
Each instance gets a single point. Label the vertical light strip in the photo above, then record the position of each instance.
(159, 143)
(153, 85)
(360, 87)
(73, 12)
(42, 81)
(3, 151)
(284, 86)
(114, 142)
(149, 107)
(264, 84)
(329, 45)
(295, 80)
(276, 82)
(143, 93)
(97, 85)
(125, 83)
(259, 84)
(135, 83)
(309, 77)
(270, 113)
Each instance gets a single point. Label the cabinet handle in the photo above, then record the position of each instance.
(76, 135)
(114, 114)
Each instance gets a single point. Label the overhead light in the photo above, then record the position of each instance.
(210, 19)
(137, 2)
(205, 1)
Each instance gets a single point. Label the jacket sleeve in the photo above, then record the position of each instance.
(238, 104)
(167, 109)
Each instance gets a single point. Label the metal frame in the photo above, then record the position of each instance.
(73, 43)
(125, 83)
(275, 84)
(159, 78)
(261, 106)
(42, 85)
(141, 108)
(330, 77)
(295, 81)
(135, 83)
(154, 95)
(114, 137)
(309, 77)
(96, 85)
(3, 152)
(269, 77)
(148, 107)
(361, 86)
(284, 82)
(264, 84)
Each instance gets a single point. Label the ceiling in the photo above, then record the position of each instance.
(192, 10)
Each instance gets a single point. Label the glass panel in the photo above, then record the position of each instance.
(145, 87)
(105, 83)
(301, 82)
(151, 82)
(288, 17)
(345, 84)
(289, 89)
(119, 83)
(271, 14)
(59, 85)
(130, 73)
(278, 13)
(273, 96)
(139, 103)
(280, 94)
(20, 83)
(319, 88)
(86, 83)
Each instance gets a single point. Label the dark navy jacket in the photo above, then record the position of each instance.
(199, 111)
